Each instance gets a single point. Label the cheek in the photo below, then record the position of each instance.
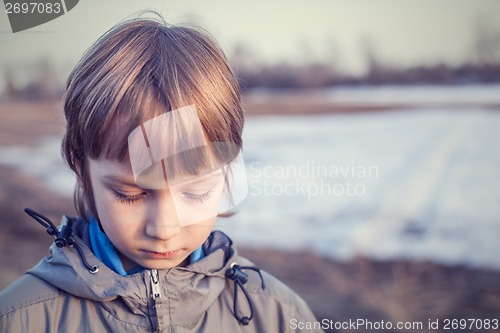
(106, 204)
(118, 220)
(200, 231)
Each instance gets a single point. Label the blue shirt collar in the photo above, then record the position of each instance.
(105, 251)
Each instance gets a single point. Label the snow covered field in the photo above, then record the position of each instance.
(416, 184)
(424, 184)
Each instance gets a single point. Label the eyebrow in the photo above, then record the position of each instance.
(118, 179)
(131, 182)
(202, 179)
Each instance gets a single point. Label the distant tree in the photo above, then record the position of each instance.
(377, 71)
(33, 81)
(246, 65)
(334, 58)
(47, 81)
(487, 44)
(10, 86)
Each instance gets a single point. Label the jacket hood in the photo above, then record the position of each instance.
(194, 287)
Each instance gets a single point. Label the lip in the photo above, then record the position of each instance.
(160, 255)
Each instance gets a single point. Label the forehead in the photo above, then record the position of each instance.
(103, 167)
(170, 147)
(164, 136)
(121, 172)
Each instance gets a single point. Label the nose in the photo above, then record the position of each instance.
(163, 223)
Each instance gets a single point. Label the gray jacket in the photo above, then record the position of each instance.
(60, 294)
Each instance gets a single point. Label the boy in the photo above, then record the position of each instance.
(153, 134)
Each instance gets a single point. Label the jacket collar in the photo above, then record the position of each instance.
(194, 287)
(106, 252)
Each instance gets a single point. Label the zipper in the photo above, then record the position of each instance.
(156, 317)
(155, 284)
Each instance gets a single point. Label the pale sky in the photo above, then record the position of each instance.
(403, 31)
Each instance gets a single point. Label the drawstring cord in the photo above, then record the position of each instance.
(235, 273)
(63, 236)
(239, 277)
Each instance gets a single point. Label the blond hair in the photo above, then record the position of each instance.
(140, 69)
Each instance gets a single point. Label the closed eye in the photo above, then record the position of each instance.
(201, 198)
(129, 199)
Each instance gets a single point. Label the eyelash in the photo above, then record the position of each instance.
(201, 198)
(129, 199)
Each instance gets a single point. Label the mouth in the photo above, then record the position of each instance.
(160, 255)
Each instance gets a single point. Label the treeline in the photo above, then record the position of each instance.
(44, 80)
(322, 75)
(44, 84)
(40, 80)
(483, 66)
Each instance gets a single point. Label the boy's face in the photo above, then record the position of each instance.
(148, 227)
